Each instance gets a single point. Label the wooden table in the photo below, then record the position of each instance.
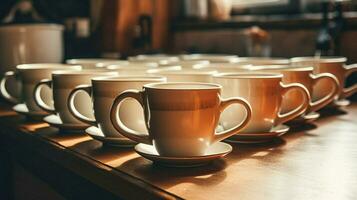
(313, 161)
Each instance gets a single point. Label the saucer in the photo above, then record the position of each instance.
(310, 117)
(97, 134)
(259, 137)
(55, 121)
(22, 109)
(215, 151)
(341, 103)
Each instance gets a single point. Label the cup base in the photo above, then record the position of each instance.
(259, 137)
(214, 152)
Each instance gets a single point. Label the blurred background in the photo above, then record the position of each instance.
(120, 28)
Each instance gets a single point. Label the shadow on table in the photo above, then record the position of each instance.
(331, 112)
(96, 150)
(210, 174)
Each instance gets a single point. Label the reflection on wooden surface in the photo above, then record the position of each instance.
(312, 161)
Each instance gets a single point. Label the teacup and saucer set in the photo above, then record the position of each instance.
(169, 110)
(26, 77)
(62, 82)
(102, 91)
(335, 66)
(22, 109)
(264, 92)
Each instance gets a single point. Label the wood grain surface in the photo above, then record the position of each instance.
(312, 161)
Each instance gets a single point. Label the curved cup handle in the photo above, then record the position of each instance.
(352, 89)
(72, 108)
(232, 131)
(37, 96)
(119, 125)
(282, 118)
(320, 103)
(3, 90)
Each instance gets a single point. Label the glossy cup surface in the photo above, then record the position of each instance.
(31, 74)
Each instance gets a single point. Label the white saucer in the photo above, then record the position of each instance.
(341, 103)
(22, 109)
(215, 151)
(55, 121)
(310, 117)
(259, 137)
(97, 134)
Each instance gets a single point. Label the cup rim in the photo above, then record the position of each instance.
(271, 60)
(128, 78)
(249, 75)
(226, 66)
(56, 66)
(322, 59)
(91, 60)
(281, 68)
(153, 86)
(137, 65)
(188, 72)
(83, 72)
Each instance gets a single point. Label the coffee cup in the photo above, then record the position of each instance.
(161, 59)
(212, 58)
(189, 64)
(187, 75)
(181, 118)
(226, 67)
(103, 91)
(332, 65)
(133, 69)
(91, 63)
(264, 92)
(30, 75)
(62, 83)
(304, 76)
(263, 61)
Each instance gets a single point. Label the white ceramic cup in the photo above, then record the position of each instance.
(134, 69)
(264, 92)
(30, 75)
(304, 76)
(226, 67)
(263, 61)
(181, 118)
(212, 58)
(188, 75)
(332, 65)
(189, 64)
(161, 59)
(62, 83)
(90, 63)
(103, 92)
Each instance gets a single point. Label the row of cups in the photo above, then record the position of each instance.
(178, 110)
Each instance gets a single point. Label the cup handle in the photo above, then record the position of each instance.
(320, 103)
(37, 95)
(232, 131)
(282, 118)
(119, 125)
(3, 89)
(353, 89)
(72, 108)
